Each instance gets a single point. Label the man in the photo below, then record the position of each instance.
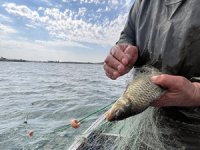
(166, 35)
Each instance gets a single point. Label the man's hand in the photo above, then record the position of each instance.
(120, 60)
(180, 91)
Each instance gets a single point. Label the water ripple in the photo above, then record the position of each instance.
(50, 95)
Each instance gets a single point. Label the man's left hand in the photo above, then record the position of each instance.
(180, 91)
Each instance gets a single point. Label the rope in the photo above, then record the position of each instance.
(99, 110)
(84, 118)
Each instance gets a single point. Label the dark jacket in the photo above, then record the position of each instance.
(167, 34)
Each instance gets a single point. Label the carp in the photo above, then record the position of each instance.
(137, 97)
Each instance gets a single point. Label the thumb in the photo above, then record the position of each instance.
(166, 81)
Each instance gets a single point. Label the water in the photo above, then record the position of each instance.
(49, 95)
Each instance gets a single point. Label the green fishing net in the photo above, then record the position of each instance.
(143, 131)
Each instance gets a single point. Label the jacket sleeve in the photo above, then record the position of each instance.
(128, 35)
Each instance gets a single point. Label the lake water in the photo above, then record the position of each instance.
(48, 95)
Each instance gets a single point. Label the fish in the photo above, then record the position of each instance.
(138, 96)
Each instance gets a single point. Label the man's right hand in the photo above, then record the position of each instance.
(120, 60)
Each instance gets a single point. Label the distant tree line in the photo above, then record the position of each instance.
(68, 62)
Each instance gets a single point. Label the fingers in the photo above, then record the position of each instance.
(118, 53)
(132, 54)
(113, 62)
(120, 60)
(180, 91)
(169, 81)
(110, 72)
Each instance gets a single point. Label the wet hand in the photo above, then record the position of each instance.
(120, 60)
(180, 91)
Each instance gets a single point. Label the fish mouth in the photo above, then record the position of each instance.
(119, 114)
(108, 116)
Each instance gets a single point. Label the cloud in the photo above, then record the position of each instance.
(85, 1)
(82, 11)
(47, 2)
(30, 26)
(128, 3)
(4, 18)
(81, 33)
(40, 50)
(71, 25)
(21, 10)
(6, 29)
(113, 4)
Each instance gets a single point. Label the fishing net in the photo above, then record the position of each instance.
(147, 130)
(143, 131)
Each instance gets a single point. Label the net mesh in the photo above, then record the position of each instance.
(147, 130)
(143, 131)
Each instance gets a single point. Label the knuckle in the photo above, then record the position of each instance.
(113, 50)
(181, 82)
(183, 79)
(122, 46)
(131, 46)
(113, 62)
(162, 78)
(107, 60)
(134, 50)
(107, 69)
(108, 75)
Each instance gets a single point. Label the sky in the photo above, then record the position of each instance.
(61, 30)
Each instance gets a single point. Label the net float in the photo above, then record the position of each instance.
(75, 123)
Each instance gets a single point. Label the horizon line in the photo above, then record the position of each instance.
(47, 61)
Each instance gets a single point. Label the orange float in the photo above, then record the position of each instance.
(75, 123)
(30, 133)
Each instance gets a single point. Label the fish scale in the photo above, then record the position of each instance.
(137, 97)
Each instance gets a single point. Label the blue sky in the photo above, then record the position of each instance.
(64, 30)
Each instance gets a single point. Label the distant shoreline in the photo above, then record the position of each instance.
(2, 59)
